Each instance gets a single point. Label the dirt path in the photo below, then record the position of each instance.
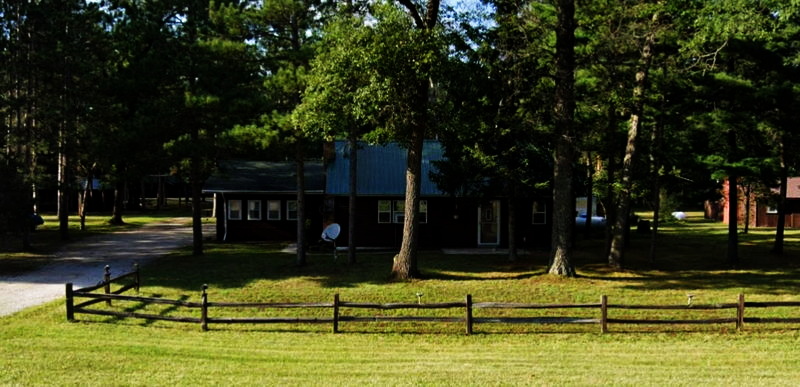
(83, 263)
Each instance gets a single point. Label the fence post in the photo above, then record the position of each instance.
(740, 312)
(336, 313)
(70, 303)
(468, 304)
(107, 282)
(204, 309)
(603, 314)
(136, 277)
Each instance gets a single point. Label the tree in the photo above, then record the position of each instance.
(402, 55)
(498, 121)
(615, 258)
(216, 83)
(413, 84)
(564, 152)
(743, 52)
(334, 104)
(139, 104)
(55, 55)
(286, 33)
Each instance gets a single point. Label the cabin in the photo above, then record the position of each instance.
(446, 221)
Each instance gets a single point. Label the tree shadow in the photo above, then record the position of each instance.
(230, 266)
(689, 257)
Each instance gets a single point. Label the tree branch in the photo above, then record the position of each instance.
(412, 9)
(432, 14)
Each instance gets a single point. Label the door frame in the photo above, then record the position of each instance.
(496, 208)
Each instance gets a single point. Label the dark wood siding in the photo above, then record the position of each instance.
(452, 222)
(266, 229)
(764, 219)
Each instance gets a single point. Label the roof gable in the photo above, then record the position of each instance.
(381, 169)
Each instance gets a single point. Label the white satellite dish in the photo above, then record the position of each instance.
(330, 233)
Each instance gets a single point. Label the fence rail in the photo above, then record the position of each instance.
(338, 307)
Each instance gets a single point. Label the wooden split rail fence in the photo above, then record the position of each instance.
(336, 307)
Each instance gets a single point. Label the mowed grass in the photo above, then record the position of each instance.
(38, 346)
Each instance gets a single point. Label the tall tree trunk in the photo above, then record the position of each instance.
(119, 200)
(777, 247)
(301, 202)
(733, 204)
(656, 217)
(196, 187)
(611, 209)
(618, 240)
(63, 189)
(512, 226)
(87, 189)
(197, 206)
(351, 215)
(587, 230)
(405, 262)
(655, 169)
(564, 155)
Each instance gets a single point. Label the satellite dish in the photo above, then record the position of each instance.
(331, 232)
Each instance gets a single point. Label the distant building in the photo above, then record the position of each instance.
(763, 209)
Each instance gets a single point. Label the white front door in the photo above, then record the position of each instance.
(489, 224)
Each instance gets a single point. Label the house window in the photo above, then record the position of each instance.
(772, 209)
(273, 210)
(254, 209)
(539, 213)
(399, 211)
(393, 211)
(234, 209)
(384, 211)
(291, 209)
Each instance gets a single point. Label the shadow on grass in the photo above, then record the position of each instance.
(688, 256)
(765, 282)
(230, 266)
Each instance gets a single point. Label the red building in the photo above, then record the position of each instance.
(762, 204)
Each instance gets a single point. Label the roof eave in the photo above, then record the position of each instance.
(224, 191)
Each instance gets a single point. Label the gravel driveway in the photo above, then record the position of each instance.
(83, 263)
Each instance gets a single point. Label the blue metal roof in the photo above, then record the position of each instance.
(381, 169)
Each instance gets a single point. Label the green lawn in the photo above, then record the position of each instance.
(38, 346)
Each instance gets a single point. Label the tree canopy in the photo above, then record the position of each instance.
(645, 103)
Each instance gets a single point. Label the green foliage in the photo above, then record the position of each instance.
(338, 100)
(497, 138)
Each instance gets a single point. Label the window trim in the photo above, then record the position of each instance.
(270, 210)
(289, 212)
(398, 211)
(395, 214)
(250, 210)
(537, 203)
(230, 206)
(387, 213)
